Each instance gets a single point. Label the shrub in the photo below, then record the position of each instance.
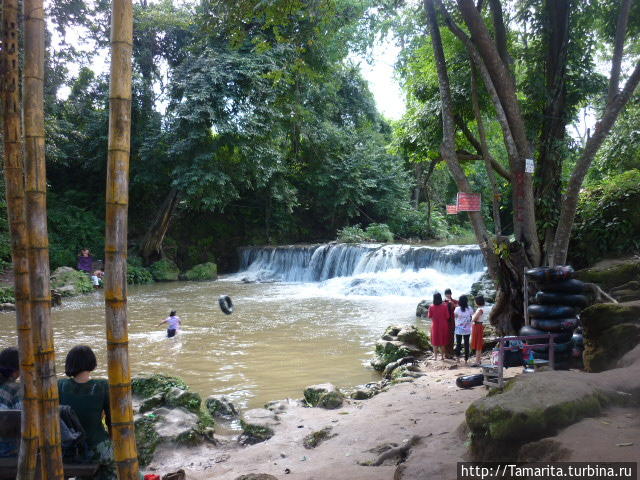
(353, 234)
(164, 270)
(608, 220)
(7, 295)
(138, 275)
(71, 282)
(379, 232)
(204, 271)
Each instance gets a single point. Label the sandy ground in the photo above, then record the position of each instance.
(431, 407)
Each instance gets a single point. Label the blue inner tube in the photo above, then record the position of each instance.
(555, 325)
(226, 305)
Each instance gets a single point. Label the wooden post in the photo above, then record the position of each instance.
(525, 292)
(14, 179)
(117, 200)
(36, 189)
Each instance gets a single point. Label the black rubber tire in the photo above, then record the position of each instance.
(551, 311)
(527, 330)
(550, 274)
(226, 305)
(469, 381)
(555, 325)
(572, 286)
(558, 356)
(550, 298)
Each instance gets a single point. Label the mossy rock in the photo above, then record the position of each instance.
(164, 270)
(602, 316)
(604, 352)
(257, 425)
(414, 336)
(325, 395)
(389, 351)
(611, 276)
(316, 438)
(147, 439)
(220, 406)
(178, 397)
(204, 271)
(146, 386)
(70, 282)
(331, 400)
(152, 402)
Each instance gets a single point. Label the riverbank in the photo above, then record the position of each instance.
(429, 410)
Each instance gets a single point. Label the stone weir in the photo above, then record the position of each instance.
(317, 263)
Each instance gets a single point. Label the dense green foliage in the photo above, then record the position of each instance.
(608, 219)
(137, 275)
(7, 295)
(164, 270)
(375, 232)
(204, 271)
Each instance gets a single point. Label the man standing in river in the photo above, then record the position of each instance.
(452, 304)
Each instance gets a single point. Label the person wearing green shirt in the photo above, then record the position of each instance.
(89, 399)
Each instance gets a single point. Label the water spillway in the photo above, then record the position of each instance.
(367, 269)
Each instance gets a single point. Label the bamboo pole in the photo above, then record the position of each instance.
(36, 190)
(117, 200)
(14, 179)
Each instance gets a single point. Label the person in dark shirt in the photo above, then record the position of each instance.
(85, 261)
(10, 393)
(89, 399)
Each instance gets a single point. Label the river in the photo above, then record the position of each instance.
(282, 335)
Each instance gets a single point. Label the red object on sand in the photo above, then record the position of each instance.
(468, 202)
(151, 476)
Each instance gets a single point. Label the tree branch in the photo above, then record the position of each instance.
(570, 203)
(618, 49)
(477, 145)
(501, 32)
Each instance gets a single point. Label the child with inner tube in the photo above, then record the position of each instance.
(173, 323)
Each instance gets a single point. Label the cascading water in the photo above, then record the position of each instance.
(375, 270)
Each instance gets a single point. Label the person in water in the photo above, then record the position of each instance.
(89, 399)
(173, 324)
(439, 314)
(463, 314)
(452, 303)
(477, 330)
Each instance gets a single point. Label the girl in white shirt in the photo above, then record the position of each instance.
(463, 314)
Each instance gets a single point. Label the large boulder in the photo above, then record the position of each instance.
(325, 395)
(148, 385)
(486, 287)
(178, 397)
(399, 342)
(423, 308)
(257, 425)
(611, 274)
(610, 331)
(204, 271)
(68, 282)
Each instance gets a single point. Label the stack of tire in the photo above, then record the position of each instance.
(554, 309)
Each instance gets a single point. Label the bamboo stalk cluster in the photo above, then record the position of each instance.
(25, 177)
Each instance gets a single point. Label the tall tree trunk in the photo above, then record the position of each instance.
(448, 147)
(16, 209)
(36, 189)
(548, 176)
(152, 243)
(117, 199)
(524, 220)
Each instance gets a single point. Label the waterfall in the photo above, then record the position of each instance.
(366, 269)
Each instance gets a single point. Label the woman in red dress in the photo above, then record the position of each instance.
(439, 315)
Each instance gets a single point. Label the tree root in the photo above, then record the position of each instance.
(402, 452)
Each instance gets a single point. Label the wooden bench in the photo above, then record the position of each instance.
(10, 429)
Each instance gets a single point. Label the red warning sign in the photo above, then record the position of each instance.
(452, 209)
(468, 202)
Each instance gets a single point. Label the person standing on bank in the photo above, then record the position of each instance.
(463, 314)
(452, 303)
(477, 331)
(439, 314)
(89, 399)
(173, 323)
(85, 261)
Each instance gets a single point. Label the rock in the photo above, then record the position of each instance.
(422, 308)
(69, 282)
(256, 476)
(257, 425)
(533, 407)
(204, 271)
(147, 439)
(363, 394)
(164, 271)
(485, 287)
(324, 396)
(413, 336)
(279, 406)
(152, 402)
(416, 342)
(221, 406)
(178, 397)
(316, 438)
(545, 450)
(148, 385)
(7, 307)
(610, 331)
(177, 425)
(388, 370)
(611, 275)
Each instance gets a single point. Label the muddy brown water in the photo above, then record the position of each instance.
(280, 338)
